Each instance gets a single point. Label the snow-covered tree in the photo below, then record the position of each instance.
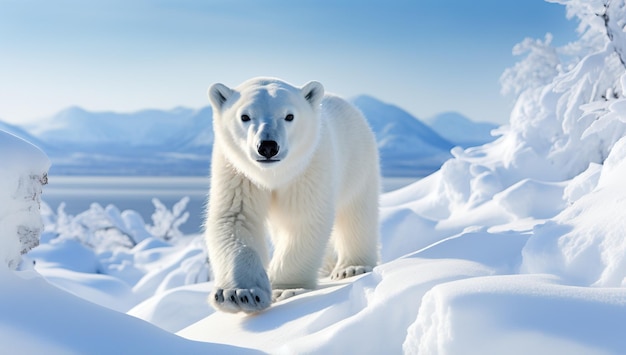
(602, 25)
(108, 228)
(538, 68)
(566, 116)
(98, 228)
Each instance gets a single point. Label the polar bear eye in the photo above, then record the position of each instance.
(289, 117)
(245, 118)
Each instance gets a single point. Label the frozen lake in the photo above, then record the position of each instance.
(136, 193)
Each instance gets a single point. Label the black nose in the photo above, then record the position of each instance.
(268, 149)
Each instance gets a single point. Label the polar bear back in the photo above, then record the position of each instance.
(353, 145)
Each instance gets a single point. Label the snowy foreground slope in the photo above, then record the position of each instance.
(39, 318)
(514, 247)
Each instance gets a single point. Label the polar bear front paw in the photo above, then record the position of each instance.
(345, 272)
(235, 300)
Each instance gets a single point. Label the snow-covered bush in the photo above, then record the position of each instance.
(165, 222)
(117, 252)
(23, 173)
(98, 228)
(105, 241)
(108, 228)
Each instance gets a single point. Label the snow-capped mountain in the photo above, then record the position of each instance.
(460, 130)
(178, 141)
(407, 146)
(154, 129)
(147, 142)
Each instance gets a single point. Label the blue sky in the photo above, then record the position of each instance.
(426, 56)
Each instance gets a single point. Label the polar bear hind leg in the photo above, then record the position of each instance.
(355, 234)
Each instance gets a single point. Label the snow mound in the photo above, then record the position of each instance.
(517, 314)
(336, 318)
(24, 172)
(176, 308)
(38, 318)
(585, 243)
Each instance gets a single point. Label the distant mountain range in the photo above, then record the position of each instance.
(178, 142)
(462, 131)
(407, 146)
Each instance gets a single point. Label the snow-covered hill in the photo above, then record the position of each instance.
(460, 130)
(178, 141)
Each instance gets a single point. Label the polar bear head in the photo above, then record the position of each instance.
(266, 128)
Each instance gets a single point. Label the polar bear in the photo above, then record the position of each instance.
(297, 164)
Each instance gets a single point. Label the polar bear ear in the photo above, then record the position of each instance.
(218, 94)
(313, 92)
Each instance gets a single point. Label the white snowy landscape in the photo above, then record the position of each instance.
(512, 246)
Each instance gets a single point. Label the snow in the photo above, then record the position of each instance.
(516, 246)
(585, 243)
(518, 314)
(24, 171)
(38, 318)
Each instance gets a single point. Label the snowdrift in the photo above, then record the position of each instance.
(23, 174)
(38, 317)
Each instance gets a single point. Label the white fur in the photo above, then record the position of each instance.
(324, 187)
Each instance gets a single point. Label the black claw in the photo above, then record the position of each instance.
(244, 299)
(217, 298)
(345, 274)
(232, 298)
(257, 298)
